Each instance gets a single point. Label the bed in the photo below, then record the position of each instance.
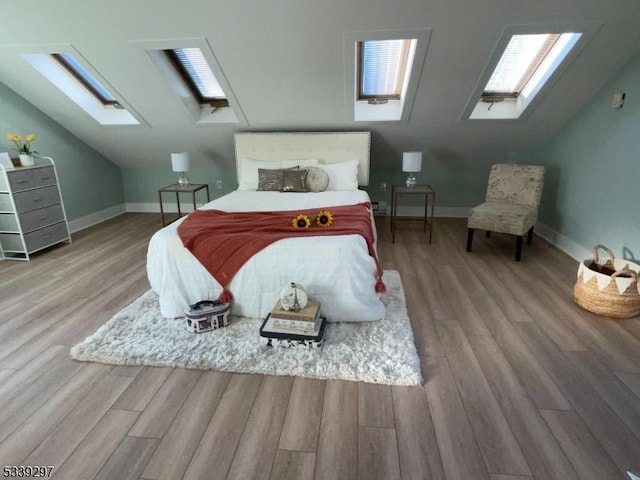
(337, 270)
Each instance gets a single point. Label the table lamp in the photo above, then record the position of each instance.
(180, 163)
(411, 163)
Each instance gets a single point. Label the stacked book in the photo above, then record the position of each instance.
(301, 322)
(288, 328)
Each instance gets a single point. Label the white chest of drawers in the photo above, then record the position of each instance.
(32, 215)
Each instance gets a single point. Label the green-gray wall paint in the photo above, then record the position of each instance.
(455, 186)
(592, 185)
(88, 181)
(141, 184)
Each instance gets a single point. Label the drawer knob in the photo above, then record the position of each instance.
(44, 179)
(21, 181)
(42, 218)
(37, 199)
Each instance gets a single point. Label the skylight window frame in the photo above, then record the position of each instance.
(519, 109)
(391, 111)
(85, 83)
(529, 73)
(197, 114)
(190, 82)
(61, 86)
(401, 74)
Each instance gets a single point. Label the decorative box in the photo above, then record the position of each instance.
(287, 338)
(207, 315)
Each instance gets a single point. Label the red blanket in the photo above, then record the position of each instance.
(224, 241)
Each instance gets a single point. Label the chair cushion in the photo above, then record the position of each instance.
(503, 218)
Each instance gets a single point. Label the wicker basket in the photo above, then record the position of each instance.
(608, 287)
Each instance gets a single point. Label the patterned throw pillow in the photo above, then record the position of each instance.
(270, 180)
(294, 180)
(317, 180)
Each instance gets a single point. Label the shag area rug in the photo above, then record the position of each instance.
(374, 352)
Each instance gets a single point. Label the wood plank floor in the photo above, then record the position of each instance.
(518, 382)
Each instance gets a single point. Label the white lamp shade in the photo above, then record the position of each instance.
(411, 161)
(180, 162)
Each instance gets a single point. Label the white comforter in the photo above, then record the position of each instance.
(337, 270)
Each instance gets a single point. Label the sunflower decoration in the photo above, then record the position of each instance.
(301, 221)
(324, 218)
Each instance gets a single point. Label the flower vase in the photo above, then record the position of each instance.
(26, 160)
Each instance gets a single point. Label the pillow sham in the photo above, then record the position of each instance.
(342, 176)
(317, 180)
(294, 180)
(248, 179)
(309, 162)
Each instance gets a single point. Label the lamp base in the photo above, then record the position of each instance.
(183, 180)
(411, 181)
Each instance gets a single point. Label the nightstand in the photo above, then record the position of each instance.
(178, 189)
(429, 198)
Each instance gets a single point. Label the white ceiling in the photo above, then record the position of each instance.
(284, 63)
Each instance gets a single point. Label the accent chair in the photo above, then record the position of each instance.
(511, 204)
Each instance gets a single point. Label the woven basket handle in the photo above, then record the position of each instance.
(601, 247)
(626, 271)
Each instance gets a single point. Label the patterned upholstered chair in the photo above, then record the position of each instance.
(511, 204)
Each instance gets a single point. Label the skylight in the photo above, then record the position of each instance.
(84, 85)
(519, 62)
(195, 79)
(193, 66)
(524, 66)
(382, 68)
(83, 76)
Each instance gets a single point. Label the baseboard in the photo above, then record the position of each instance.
(568, 246)
(154, 207)
(96, 217)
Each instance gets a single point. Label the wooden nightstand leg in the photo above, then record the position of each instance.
(208, 198)
(178, 202)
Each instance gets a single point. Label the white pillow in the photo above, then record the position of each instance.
(309, 162)
(342, 176)
(249, 172)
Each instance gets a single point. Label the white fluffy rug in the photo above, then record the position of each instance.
(374, 352)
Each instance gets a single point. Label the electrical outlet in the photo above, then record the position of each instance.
(219, 184)
(383, 186)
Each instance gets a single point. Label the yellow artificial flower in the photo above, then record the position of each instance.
(301, 221)
(22, 147)
(324, 218)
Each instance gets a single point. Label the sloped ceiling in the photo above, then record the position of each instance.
(284, 62)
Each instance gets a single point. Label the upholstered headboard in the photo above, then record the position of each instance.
(326, 147)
